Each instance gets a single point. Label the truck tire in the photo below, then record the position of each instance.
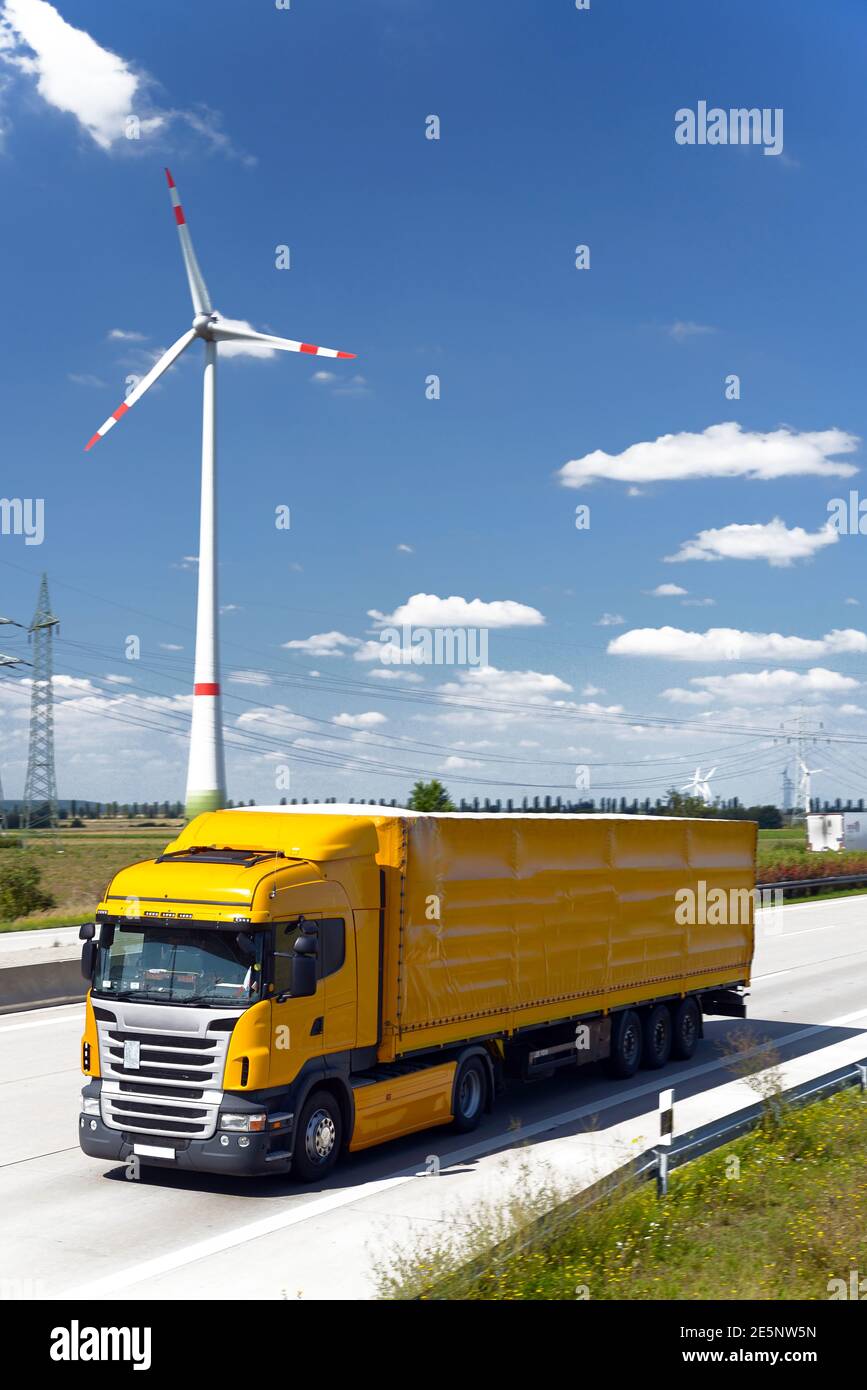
(318, 1138)
(471, 1090)
(657, 1037)
(626, 1040)
(686, 1031)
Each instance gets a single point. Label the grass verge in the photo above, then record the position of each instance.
(777, 1214)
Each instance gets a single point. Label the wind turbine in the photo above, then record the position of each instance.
(206, 777)
(804, 783)
(700, 786)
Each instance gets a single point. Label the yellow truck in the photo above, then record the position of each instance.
(285, 984)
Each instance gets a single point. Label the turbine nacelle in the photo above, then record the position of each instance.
(202, 324)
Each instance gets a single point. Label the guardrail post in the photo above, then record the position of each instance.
(662, 1172)
(666, 1133)
(861, 1068)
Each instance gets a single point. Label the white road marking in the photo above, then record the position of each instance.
(77, 1018)
(240, 1235)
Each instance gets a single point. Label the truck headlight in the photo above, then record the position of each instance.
(252, 1120)
(90, 1105)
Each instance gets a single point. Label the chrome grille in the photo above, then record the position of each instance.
(176, 1089)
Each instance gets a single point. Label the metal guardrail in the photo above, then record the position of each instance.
(831, 881)
(643, 1166)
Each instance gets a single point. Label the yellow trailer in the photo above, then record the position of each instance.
(283, 984)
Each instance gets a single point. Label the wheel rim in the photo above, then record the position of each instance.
(687, 1029)
(630, 1044)
(319, 1136)
(660, 1037)
(470, 1093)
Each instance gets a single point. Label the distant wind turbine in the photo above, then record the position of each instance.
(700, 786)
(206, 777)
(804, 783)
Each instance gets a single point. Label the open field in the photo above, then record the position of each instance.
(778, 1214)
(76, 864)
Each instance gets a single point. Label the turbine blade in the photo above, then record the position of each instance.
(198, 288)
(145, 384)
(223, 332)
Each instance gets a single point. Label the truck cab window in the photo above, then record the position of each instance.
(330, 953)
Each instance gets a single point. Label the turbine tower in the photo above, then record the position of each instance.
(206, 777)
(40, 787)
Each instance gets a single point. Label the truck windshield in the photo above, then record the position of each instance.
(186, 965)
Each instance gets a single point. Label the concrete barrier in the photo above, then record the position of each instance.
(33, 982)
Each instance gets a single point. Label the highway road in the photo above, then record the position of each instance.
(72, 1225)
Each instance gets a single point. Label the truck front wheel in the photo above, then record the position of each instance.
(471, 1089)
(626, 1042)
(317, 1141)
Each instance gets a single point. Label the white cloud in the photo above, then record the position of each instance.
(666, 591)
(127, 335)
(355, 386)
(368, 720)
(170, 647)
(731, 644)
(765, 687)
(697, 602)
(490, 682)
(680, 696)
(85, 379)
(405, 549)
(610, 620)
(454, 763)
(851, 711)
(853, 602)
(322, 377)
(427, 610)
(683, 329)
(250, 677)
(274, 720)
(323, 644)
(592, 690)
(772, 541)
(392, 673)
(722, 451)
(74, 74)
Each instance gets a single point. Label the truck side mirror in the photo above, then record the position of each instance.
(88, 958)
(303, 976)
(87, 931)
(305, 944)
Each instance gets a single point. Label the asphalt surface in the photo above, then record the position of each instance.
(69, 1223)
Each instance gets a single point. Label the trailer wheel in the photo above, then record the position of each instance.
(657, 1037)
(317, 1141)
(687, 1030)
(626, 1043)
(471, 1088)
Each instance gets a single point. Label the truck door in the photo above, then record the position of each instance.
(337, 967)
(298, 1024)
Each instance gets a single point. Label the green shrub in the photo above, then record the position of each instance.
(20, 892)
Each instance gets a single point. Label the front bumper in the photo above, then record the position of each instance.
(265, 1152)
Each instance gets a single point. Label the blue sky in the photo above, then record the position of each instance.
(453, 257)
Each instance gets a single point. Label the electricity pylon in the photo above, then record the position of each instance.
(40, 788)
